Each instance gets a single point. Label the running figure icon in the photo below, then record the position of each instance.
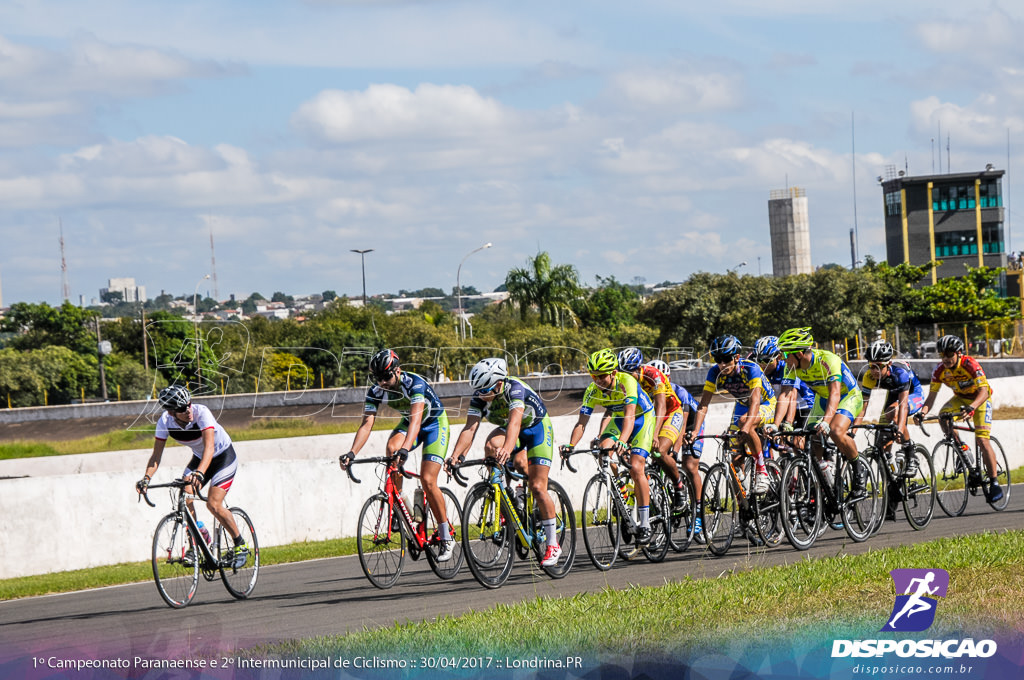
(916, 606)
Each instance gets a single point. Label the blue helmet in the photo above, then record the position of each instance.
(631, 359)
(724, 347)
(766, 348)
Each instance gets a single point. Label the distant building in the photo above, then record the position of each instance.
(956, 218)
(790, 232)
(126, 286)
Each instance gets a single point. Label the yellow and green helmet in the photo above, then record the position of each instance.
(796, 340)
(602, 361)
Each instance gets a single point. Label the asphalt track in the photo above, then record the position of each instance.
(332, 597)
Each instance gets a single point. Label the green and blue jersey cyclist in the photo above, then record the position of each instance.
(629, 430)
(755, 400)
(769, 358)
(838, 398)
(523, 433)
(424, 422)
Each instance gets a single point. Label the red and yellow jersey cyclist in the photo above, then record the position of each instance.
(630, 428)
(668, 413)
(971, 397)
(755, 399)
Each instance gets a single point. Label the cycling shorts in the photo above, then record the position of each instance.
(915, 400)
(765, 414)
(538, 441)
(982, 414)
(698, 446)
(671, 426)
(221, 471)
(642, 437)
(850, 406)
(433, 437)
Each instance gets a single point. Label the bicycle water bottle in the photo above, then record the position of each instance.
(520, 497)
(204, 532)
(828, 468)
(417, 505)
(967, 453)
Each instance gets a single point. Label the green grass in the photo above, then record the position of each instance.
(80, 579)
(845, 596)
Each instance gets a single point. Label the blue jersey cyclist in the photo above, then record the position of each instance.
(755, 399)
(424, 422)
(523, 433)
(769, 358)
(630, 428)
(904, 395)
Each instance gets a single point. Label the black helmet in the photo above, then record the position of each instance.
(175, 398)
(948, 344)
(879, 351)
(383, 364)
(725, 346)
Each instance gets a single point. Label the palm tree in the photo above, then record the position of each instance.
(549, 289)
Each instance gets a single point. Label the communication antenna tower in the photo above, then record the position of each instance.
(213, 266)
(66, 287)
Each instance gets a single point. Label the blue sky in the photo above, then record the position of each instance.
(631, 140)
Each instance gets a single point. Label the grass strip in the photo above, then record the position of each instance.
(815, 599)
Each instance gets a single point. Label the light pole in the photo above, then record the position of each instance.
(195, 324)
(458, 288)
(362, 259)
(733, 270)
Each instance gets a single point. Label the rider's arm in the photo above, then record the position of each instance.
(363, 433)
(466, 437)
(628, 421)
(577, 430)
(899, 418)
(980, 398)
(659, 411)
(784, 404)
(864, 409)
(702, 410)
(834, 395)
(154, 458)
(515, 423)
(208, 448)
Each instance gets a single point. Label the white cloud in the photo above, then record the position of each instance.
(682, 88)
(984, 122)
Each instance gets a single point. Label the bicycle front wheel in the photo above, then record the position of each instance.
(239, 565)
(381, 550)
(950, 478)
(1002, 475)
(660, 518)
(801, 504)
(681, 534)
(719, 510)
(453, 511)
(487, 537)
(175, 562)
(565, 528)
(860, 516)
(919, 491)
(768, 507)
(600, 522)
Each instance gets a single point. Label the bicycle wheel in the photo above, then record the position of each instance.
(445, 570)
(487, 537)
(175, 563)
(656, 550)
(565, 526)
(768, 507)
(919, 491)
(600, 522)
(239, 576)
(1002, 475)
(950, 478)
(381, 550)
(859, 516)
(682, 519)
(801, 504)
(719, 510)
(628, 549)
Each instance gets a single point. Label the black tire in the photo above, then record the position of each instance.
(880, 471)
(681, 535)
(919, 491)
(859, 517)
(239, 579)
(628, 549)
(1002, 475)
(768, 507)
(565, 525)
(801, 504)
(950, 478)
(175, 562)
(445, 570)
(600, 522)
(381, 551)
(719, 510)
(487, 537)
(660, 519)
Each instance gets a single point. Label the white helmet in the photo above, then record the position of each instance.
(660, 365)
(487, 373)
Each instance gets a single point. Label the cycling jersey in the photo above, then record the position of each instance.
(741, 383)
(654, 383)
(966, 378)
(625, 390)
(901, 379)
(514, 394)
(778, 380)
(412, 389)
(825, 369)
(686, 399)
(191, 434)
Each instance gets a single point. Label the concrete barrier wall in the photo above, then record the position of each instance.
(71, 512)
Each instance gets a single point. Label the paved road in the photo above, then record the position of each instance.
(331, 596)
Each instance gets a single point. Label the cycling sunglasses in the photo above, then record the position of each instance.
(490, 389)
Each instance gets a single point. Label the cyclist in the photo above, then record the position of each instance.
(213, 457)
(769, 358)
(424, 421)
(668, 413)
(523, 433)
(971, 397)
(755, 400)
(630, 429)
(838, 401)
(903, 398)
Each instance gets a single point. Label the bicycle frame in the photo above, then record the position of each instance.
(413, 531)
(192, 526)
(498, 476)
(602, 456)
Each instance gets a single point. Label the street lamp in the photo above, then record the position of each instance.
(362, 259)
(733, 270)
(195, 324)
(458, 288)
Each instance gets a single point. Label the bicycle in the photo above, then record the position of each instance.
(180, 552)
(680, 524)
(957, 476)
(608, 517)
(729, 505)
(916, 492)
(386, 529)
(810, 498)
(497, 527)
